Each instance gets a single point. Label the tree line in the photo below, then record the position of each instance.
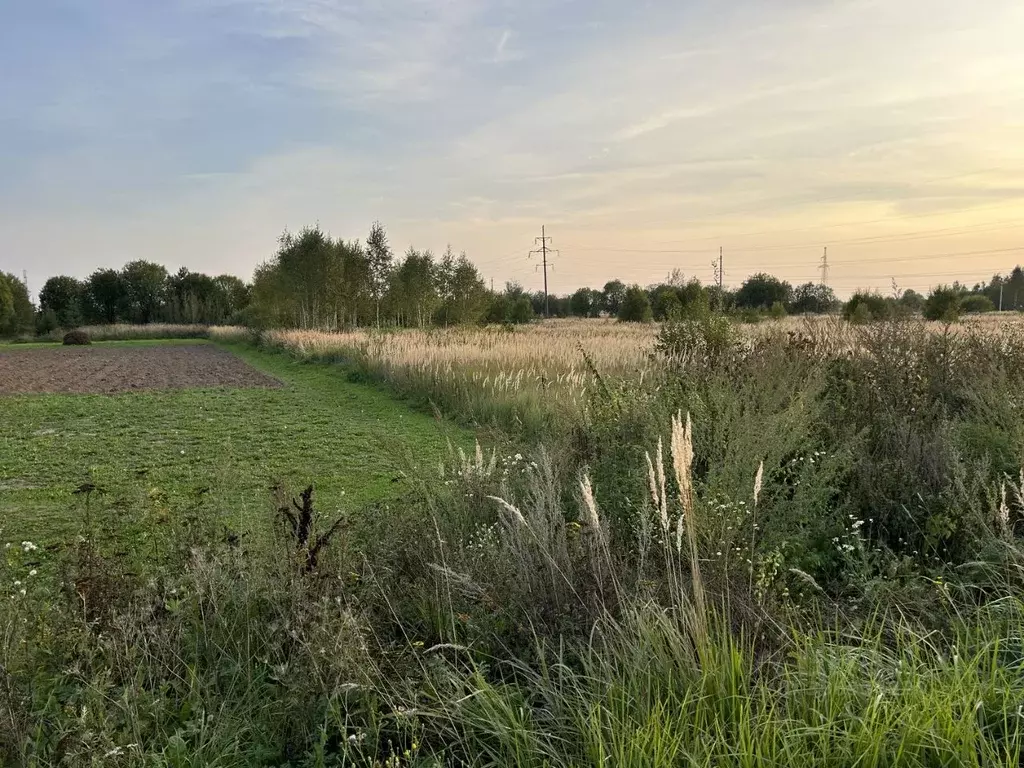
(316, 281)
(140, 292)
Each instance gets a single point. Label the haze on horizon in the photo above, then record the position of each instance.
(643, 135)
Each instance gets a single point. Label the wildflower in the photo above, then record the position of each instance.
(17, 583)
(33, 572)
(22, 592)
(758, 483)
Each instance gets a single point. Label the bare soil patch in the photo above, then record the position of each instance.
(108, 370)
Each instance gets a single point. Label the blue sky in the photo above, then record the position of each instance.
(643, 134)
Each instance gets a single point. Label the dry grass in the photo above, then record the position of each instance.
(128, 332)
(540, 360)
(542, 365)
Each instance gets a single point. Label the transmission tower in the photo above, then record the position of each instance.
(544, 250)
(824, 267)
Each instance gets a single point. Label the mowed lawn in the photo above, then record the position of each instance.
(159, 455)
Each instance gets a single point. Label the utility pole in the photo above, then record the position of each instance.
(544, 250)
(1000, 294)
(824, 267)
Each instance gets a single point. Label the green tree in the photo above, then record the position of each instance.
(865, 306)
(976, 303)
(106, 296)
(614, 294)
(62, 295)
(380, 259)
(7, 316)
(414, 289)
(665, 303)
(464, 297)
(911, 301)
(354, 293)
(192, 297)
(636, 306)
(521, 310)
(518, 309)
(814, 299)
(21, 314)
(237, 295)
(762, 290)
(309, 275)
(586, 302)
(944, 304)
(145, 285)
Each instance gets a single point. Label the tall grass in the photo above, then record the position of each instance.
(762, 550)
(519, 379)
(129, 332)
(494, 623)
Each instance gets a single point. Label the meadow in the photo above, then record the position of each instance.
(693, 544)
(157, 457)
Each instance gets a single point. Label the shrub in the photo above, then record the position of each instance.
(46, 322)
(751, 316)
(712, 335)
(777, 311)
(861, 315)
(76, 338)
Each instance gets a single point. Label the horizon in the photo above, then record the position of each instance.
(643, 138)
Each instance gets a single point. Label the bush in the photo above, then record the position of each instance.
(777, 311)
(876, 307)
(976, 303)
(76, 338)
(711, 335)
(751, 316)
(943, 304)
(636, 306)
(861, 315)
(520, 311)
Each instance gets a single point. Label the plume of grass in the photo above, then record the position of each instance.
(682, 462)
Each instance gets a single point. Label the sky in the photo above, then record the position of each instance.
(643, 135)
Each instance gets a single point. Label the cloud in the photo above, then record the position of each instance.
(198, 129)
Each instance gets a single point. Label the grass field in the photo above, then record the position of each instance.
(156, 454)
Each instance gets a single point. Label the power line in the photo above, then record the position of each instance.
(872, 240)
(887, 259)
